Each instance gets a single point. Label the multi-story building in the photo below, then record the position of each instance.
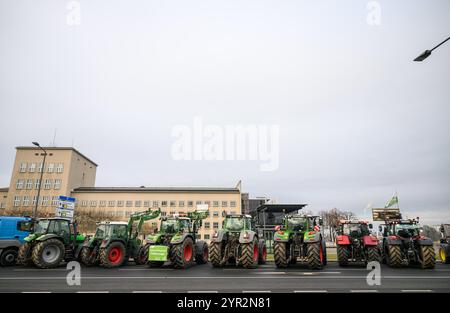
(68, 172)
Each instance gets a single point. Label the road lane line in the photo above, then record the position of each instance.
(36, 292)
(94, 291)
(364, 291)
(256, 291)
(417, 290)
(310, 291)
(147, 291)
(202, 291)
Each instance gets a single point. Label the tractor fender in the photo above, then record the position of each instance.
(176, 239)
(312, 237)
(370, 241)
(153, 238)
(392, 241)
(218, 236)
(47, 236)
(282, 235)
(247, 236)
(108, 241)
(425, 242)
(342, 240)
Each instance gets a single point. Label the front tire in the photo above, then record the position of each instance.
(343, 255)
(24, 256)
(215, 253)
(142, 256)
(88, 256)
(202, 255)
(249, 254)
(262, 252)
(373, 254)
(114, 255)
(8, 257)
(48, 253)
(182, 254)
(443, 256)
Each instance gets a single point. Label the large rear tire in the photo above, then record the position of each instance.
(342, 255)
(373, 254)
(249, 254)
(427, 257)
(182, 254)
(315, 255)
(280, 254)
(24, 256)
(394, 256)
(262, 252)
(202, 252)
(215, 253)
(113, 255)
(48, 253)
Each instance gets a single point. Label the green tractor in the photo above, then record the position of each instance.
(115, 242)
(51, 241)
(299, 239)
(237, 243)
(176, 241)
(444, 249)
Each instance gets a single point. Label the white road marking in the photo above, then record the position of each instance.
(271, 273)
(147, 291)
(94, 291)
(417, 290)
(36, 292)
(39, 270)
(364, 291)
(256, 291)
(202, 291)
(310, 291)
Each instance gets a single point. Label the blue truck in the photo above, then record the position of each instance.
(13, 230)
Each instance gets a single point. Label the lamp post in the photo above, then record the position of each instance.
(40, 180)
(427, 53)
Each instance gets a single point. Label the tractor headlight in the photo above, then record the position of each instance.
(216, 234)
(246, 235)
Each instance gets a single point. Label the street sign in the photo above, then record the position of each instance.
(65, 208)
(381, 215)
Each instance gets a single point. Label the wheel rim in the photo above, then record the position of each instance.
(115, 255)
(205, 255)
(51, 253)
(321, 253)
(187, 253)
(255, 253)
(442, 255)
(9, 258)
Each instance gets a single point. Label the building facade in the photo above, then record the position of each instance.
(68, 172)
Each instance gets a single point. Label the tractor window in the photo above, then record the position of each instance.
(352, 230)
(24, 226)
(407, 230)
(169, 226)
(101, 231)
(184, 224)
(59, 227)
(41, 226)
(119, 231)
(297, 223)
(234, 224)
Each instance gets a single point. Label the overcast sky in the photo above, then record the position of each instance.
(358, 118)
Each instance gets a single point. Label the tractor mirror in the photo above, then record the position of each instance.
(370, 226)
(380, 228)
(320, 221)
(441, 229)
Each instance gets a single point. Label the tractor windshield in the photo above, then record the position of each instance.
(234, 223)
(41, 226)
(355, 229)
(116, 231)
(170, 226)
(407, 230)
(297, 223)
(446, 230)
(102, 231)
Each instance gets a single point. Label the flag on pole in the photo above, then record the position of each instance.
(393, 201)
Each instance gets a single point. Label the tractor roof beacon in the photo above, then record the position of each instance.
(444, 249)
(355, 243)
(51, 241)
(403, 243)
(299, 239)
(238, 243)
(176, 241)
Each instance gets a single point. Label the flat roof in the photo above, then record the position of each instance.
(56, 148)
(5, 189)
(280, 208)
(153, 189)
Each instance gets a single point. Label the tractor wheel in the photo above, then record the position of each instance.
(88, 256)
(342, 255)
(373, 254)
(249, 254)
(443, 256)
(315, 255)
(394, 256)
(182, 254)
(142, 256)
(215, 253)
(262, 252)
(202, 254)
(48, 253)
(8, 257)
(427, 257)
(114, 255)
(280, 254)
(24, 256)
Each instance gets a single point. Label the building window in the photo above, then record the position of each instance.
(147, 204)
(23, 167)
(55, 201)
(215, 203)
(208, 202)
(190, 203)
(45, 200)
(173, 203)
(93, 203)
(57, 184)
(224, 204)
(84, 203)
(232, 204)
(198, 202)
(129, 203)
(29, 184)
(32, 167)
(207, 225)
(206, 236)
(2, 205)
(19, 184)
(181, 204)
(216, 214)
(47, 184)
(120, 203)
(102, 203)
(37, 183)
(215, 225)
(40, 167)
(16, 201)
(163, 213)
(112, 203)
(60, 168)
(51, 167)
(163, 203)
(156, 203)
(137, 203)
(33, 202)
(172, 213)
(26, 201)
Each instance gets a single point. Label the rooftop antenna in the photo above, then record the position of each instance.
(54, 138)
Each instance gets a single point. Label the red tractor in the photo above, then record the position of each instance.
(355, 243)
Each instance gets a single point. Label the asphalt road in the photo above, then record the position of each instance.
(204, 278)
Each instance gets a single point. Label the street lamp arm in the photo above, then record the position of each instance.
(440, 44)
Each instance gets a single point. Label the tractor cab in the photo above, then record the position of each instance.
(445, 231)
(57, 226)
(175, 224)
(404, 228)
(355, 229)
(111, 230)
(237, 222)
